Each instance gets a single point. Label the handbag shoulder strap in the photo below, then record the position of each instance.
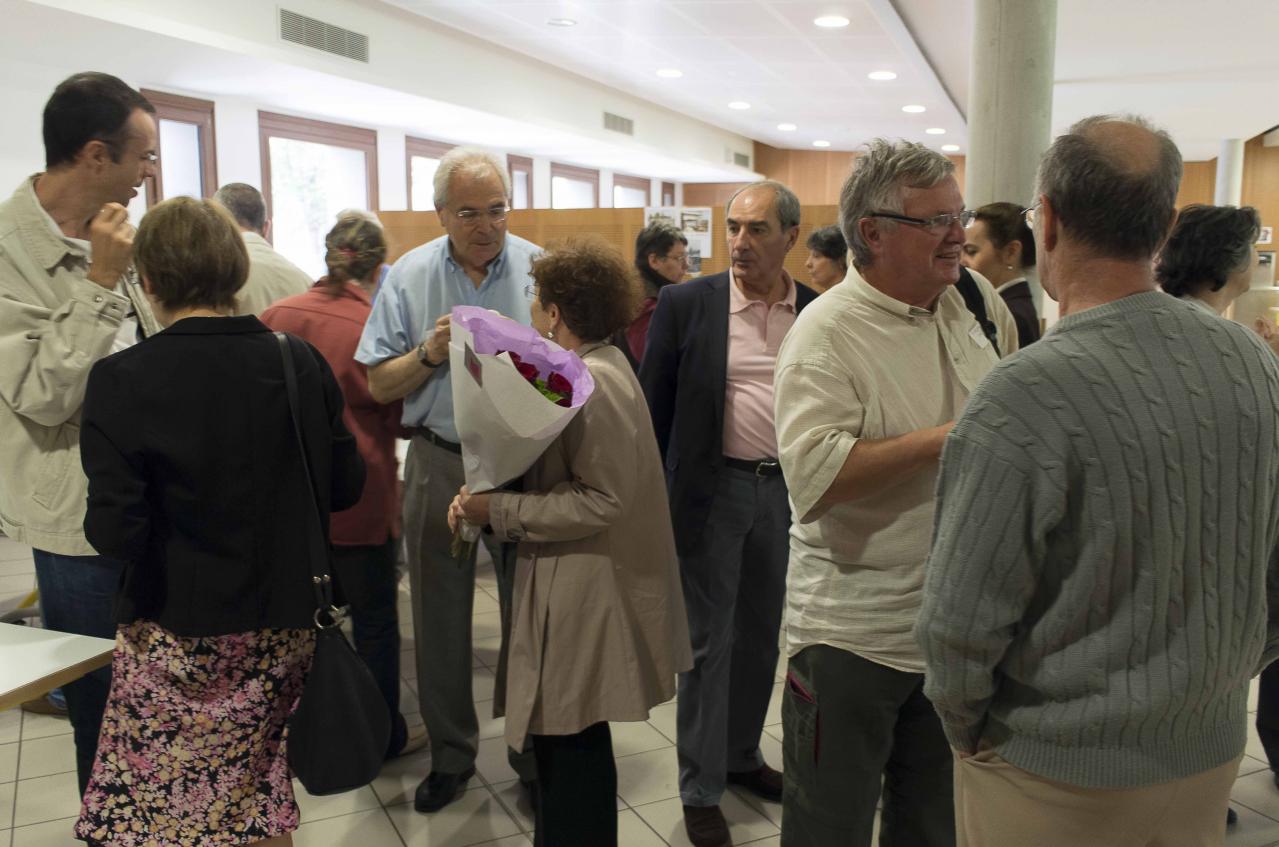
(321, 581)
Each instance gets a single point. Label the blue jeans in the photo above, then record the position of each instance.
(77, 595)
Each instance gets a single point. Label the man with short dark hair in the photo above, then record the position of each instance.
(869, 382)
(271, 276)
(708, 377)
(1104, 576)
(69, 297)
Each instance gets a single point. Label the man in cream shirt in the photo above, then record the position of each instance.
(271, 276)
(68, 298)
(869, 381)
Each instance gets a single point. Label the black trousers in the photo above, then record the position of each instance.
(367, 576)
(577, 789)
(1268, 713)
(857, 732)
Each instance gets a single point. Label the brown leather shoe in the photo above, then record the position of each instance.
(706, 826)
(762, 782)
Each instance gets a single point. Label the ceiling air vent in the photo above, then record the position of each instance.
(742, 159)
(617, 123)
(309, 32)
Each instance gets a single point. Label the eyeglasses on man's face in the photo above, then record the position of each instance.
(472, 217)
(1028, 215)
(937, 223)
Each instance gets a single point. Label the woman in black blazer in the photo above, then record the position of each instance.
(1000, 247)
(197, 483)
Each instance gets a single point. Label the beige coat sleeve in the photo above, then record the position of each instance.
(46, 353)
(599, 449)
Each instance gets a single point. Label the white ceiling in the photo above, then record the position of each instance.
(766, 52)
(1204, 70)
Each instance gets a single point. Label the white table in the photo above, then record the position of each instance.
(36, 661)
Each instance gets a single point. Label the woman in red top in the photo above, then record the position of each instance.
(661, 257)
(366, 537)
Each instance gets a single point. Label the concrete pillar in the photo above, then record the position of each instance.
(1229, 190)
(1010, 98)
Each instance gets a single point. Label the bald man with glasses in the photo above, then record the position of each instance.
(405, 346)
(869, 381)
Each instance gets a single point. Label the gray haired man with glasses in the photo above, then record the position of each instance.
(405, 345)
(869, 381)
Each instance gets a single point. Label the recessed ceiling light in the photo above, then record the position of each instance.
(881, 76)
(935, 130)
(831, 21)
(561, 22)
(787, 127)
(821, 142)
(670, 73)
(950, 148)
(914, 109)
(739, 105)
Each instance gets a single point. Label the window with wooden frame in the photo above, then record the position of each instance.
(521, 171)
(311, 170)
(574, 188)
(631, 192)
(668, 194)
(422, 158)
(186, 147)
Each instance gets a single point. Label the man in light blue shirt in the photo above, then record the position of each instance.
(405, 345)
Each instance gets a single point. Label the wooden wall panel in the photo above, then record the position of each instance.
(1261, 182)
(1198, 182)
(619, 227)
(709, 193)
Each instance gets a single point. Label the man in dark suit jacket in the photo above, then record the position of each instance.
(708, 376)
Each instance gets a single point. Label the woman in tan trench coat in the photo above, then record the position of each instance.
(598, 628)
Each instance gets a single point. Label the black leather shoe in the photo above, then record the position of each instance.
(439, 789)
(706, 826)
(1232, 817)
(762, 782)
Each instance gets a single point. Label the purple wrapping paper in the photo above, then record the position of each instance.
(493, 333)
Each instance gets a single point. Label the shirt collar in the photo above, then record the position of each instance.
(739, 302)
(1009, 284)
(863, 290)
(45, 242)
(493, 267)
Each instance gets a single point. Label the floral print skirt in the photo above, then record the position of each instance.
(191, 751)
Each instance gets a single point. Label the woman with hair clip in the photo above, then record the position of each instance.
(366, 537)
(1000, 247)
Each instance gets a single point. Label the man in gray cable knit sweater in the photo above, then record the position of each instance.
(1103, 570)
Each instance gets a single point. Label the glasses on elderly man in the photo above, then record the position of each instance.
(472, 217)
(1028, 215)
(936, 223)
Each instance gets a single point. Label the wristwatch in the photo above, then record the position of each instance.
(424, 358)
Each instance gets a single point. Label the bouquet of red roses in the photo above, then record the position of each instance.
(513, 393)
(555, 387)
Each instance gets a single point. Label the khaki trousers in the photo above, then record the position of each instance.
(999, 805)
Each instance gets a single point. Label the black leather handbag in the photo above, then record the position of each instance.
(338, 734)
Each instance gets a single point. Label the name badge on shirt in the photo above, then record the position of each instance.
(978, 336)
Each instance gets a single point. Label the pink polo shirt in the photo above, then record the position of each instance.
(755, 332)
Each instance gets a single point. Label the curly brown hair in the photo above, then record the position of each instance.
(356, 246)
(595, 289)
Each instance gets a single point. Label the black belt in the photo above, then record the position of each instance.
(443, 443)
(759, 467)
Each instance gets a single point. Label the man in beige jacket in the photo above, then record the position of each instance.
(271, 276)
(69, 297)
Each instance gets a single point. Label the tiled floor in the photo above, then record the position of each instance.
(38, 800)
